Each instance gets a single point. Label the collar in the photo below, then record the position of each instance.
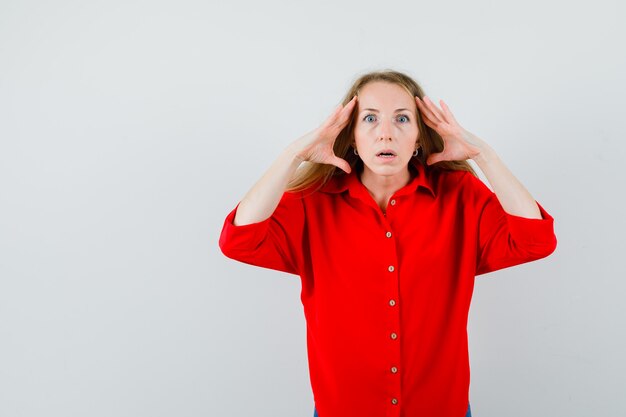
(351, 182)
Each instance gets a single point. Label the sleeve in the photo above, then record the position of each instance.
(504, 239)
(274, 243)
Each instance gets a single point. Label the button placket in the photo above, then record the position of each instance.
(394, 314)
(392, 202)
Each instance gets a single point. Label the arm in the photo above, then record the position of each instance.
(262, 199)
(513, 196)
(315, 146)
(505, 239)
(266, 228)
(460, 144)
(512, 227)
(274, 243)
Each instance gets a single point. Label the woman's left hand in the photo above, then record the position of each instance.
(458, 143)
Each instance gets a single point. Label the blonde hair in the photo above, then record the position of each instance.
(311, 173)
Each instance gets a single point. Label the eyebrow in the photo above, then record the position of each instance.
(376, 110)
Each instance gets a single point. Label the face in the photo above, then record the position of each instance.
(386, 120)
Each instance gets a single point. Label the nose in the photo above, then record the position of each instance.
(384, 131)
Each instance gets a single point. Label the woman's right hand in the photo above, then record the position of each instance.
(317, 145)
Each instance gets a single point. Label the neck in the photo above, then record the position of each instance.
(383, 186)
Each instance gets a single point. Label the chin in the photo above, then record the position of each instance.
(385, 170)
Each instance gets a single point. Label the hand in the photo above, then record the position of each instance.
(458, 143)
(317, 145)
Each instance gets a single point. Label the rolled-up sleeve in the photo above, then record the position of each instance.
(504, 239)
(274, 243)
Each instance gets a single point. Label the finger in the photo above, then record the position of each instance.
(344, 116)
(447, 111)
(349, 104)
(352, 101)
(349, 107)
(333, 116)
(428, 114)
(434, 110)
(427, 120)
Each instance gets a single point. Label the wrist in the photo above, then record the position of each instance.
(293, 152)
(485, 155)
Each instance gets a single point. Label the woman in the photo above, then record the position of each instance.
(387, 225)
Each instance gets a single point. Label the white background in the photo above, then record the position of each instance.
(129, 129)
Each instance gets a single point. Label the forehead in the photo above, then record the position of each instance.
(384, 96)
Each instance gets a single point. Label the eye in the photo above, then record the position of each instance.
(402, 116)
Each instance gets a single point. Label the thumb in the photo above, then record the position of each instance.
(434, 158)
(342, 163)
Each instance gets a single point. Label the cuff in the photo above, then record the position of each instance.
(246, 236)
(533, 231)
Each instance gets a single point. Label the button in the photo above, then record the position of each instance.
(394, 401)
(392, 302)
(394, 336)
(394, 369)
(388, 234)
(391, 268)
(393, 202)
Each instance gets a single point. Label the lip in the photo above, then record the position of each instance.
(387, 159)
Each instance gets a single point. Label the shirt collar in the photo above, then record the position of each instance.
(351, 182)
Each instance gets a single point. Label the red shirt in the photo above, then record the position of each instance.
(386, 296)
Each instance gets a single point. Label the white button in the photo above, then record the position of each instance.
(391, 268)
(393, 202)
(388, 234)
(394, 369)
(394, 336)
(392, 302)
(394, 401)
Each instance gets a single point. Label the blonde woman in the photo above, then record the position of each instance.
(387, 225)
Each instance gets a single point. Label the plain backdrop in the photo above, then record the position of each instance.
(129, 129)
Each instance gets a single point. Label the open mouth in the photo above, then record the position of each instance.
(387, 154)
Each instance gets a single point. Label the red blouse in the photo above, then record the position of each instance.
(386, 296)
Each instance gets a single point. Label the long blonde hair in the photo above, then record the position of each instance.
(311, 173)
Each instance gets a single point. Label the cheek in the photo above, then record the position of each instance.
(411, 136)
(360, 137)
